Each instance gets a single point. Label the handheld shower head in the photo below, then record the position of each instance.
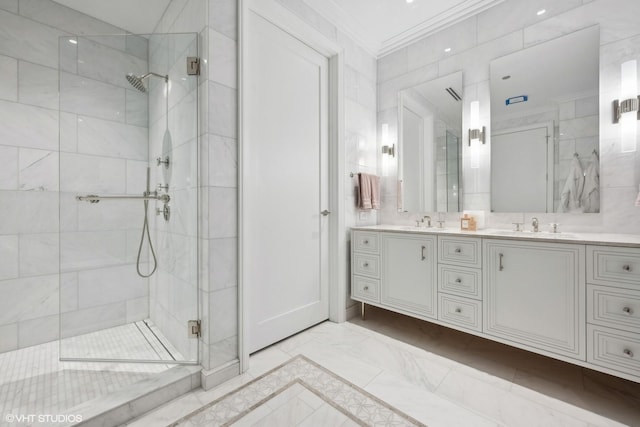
(136, 81)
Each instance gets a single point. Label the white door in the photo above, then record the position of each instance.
(519, 172)
(285, 185)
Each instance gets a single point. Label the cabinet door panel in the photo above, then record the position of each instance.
(535, 295)
(409, 274)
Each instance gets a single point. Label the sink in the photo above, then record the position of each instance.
(530, 234)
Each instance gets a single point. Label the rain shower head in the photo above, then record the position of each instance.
(136, 81)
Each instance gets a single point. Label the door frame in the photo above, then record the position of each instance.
(281, 17)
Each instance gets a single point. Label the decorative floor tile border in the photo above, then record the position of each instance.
(360, 406)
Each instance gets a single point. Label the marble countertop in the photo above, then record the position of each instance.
(609, 239)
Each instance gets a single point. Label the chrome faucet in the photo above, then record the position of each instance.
(428, 218)
(534, 224)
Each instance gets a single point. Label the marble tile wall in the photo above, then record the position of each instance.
(103, 148)
(506, 28)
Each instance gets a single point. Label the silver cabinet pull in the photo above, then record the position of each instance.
(501, 265)
(626, 268)
(422, 253)
(627, 310)
(366, 288)
(325, 212)
(458, 280)
(366, 264)
(628, 352)
(366, 242)
(458, 310)
(458, 250)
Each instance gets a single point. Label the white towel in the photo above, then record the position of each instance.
(591, 193)
(570, 197)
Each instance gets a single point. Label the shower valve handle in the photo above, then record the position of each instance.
(164, 161)
(164, 187)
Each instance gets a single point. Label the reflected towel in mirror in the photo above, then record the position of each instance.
(570, 197)
(591, 193)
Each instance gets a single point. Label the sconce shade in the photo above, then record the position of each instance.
(476, 134)
(626, 111)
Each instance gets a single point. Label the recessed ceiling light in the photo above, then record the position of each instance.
(448, 50)
(409, 1)
(542, 12)
(73, 41)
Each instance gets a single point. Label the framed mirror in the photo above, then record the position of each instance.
(545, 126)
(429, 146)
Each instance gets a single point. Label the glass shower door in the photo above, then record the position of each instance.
(128, 198)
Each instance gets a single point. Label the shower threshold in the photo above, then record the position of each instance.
(33, 380)
(136, 342)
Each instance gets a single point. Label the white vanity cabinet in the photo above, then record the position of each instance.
(534, 295)
(575, 299)
(613, 308)
(408, 273)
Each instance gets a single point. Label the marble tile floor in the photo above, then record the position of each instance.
(440, 377)
(34, 381)
(301, 393)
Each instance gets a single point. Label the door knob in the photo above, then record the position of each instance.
(325, 212)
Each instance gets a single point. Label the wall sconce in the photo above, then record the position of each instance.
(476, 134)
(626, 112)
(386, 148)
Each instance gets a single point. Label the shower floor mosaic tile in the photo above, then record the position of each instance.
(298, 393)
(34, 381)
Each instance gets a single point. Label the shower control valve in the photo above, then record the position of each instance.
(165, 211)
(164, 162)
(164, 187)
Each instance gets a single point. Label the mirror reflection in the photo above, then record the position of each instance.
(429, 151)
(544, 127)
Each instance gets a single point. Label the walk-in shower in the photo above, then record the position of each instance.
(119, 308)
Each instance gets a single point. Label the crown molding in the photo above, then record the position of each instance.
(346, 23)
(350, 25)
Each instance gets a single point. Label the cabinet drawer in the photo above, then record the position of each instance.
(367, 265)
(614, 349)
(464, 282)
(465, 251)
(364, 288)
(613, 307)
(366, 241)
(613, 266)
(461, 312)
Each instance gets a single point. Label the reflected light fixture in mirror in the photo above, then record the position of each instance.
(476, 134)
(625, 110)
(386, 149)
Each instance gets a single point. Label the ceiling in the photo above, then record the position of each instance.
(379, 25)
(385, 25)
(135, 16)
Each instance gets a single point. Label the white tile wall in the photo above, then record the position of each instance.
(9, 83)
